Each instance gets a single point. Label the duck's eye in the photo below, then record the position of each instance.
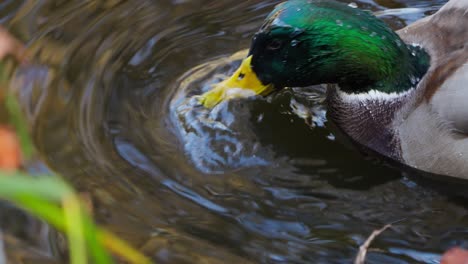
(274, 44)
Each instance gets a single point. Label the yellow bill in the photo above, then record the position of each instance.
(243, 82)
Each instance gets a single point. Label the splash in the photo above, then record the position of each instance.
(218, 139)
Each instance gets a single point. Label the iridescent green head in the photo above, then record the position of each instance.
(306, 42)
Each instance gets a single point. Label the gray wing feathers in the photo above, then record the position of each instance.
(460, 4)
(451, 100)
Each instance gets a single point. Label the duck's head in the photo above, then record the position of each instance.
(307, 42)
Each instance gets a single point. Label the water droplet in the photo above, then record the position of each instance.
(298, 9)
(373, 34)
(339, 22)
(294, 42)
(260, 118)
(383, 37)
(353, 5)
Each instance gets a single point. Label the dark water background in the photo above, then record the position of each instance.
(254, 181)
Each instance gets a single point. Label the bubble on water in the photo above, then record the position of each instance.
(260, 118)
(295, 42)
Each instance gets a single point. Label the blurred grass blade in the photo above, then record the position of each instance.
(42, 197)
(21, 127)
(14, 110)
(41, 186)
(96, 247)
(54, 215)
(122, 249)
(48, 211)
(74, 223)
(6, 68)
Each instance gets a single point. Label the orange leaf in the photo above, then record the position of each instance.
(10, 153)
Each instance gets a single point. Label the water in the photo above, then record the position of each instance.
(111, 102)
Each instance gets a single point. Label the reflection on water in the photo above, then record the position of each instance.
(111, 104)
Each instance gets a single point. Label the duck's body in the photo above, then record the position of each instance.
(426, 127)
(415, 113)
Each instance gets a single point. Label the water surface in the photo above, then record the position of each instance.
(111, 104)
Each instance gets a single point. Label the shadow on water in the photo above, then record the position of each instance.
(111, 102)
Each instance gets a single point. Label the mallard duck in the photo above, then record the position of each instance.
(403, 95)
